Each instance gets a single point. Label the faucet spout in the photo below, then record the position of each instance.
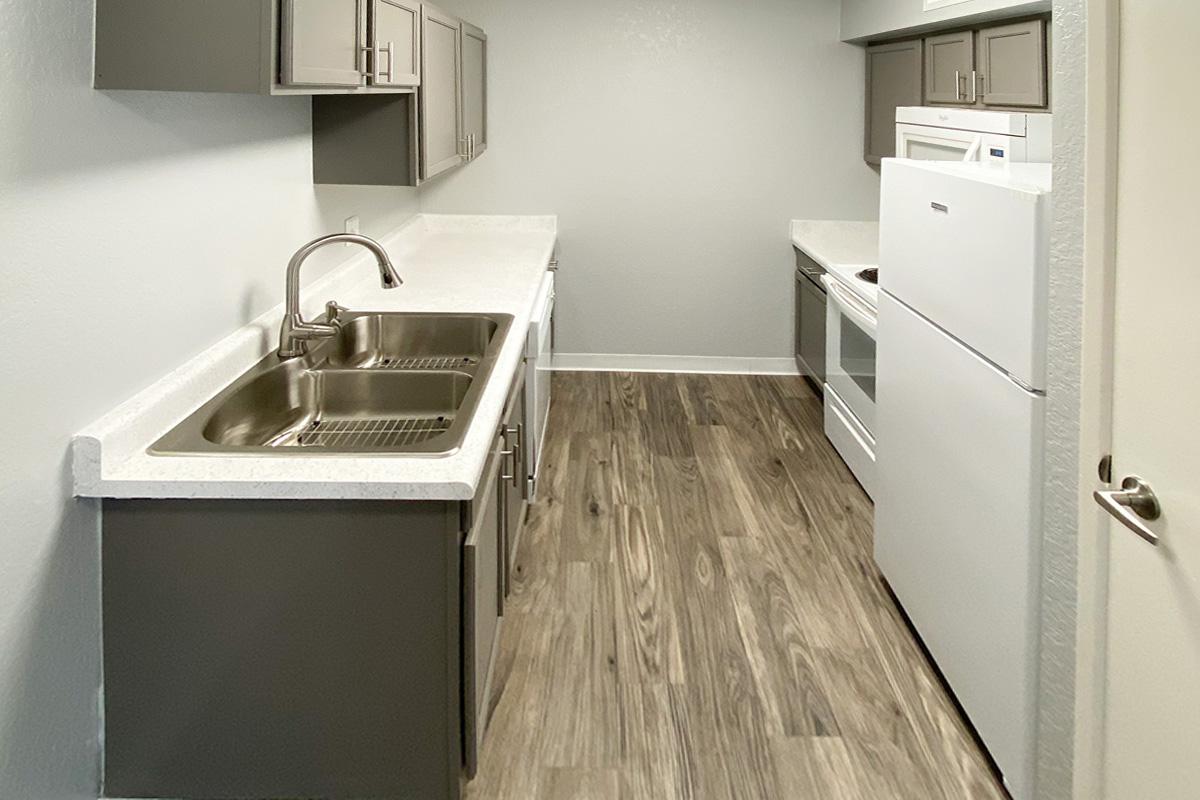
(295, 332)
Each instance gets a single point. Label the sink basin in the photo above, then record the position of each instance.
(406, 341)
(388, 383)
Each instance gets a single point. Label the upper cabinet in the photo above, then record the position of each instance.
(399, 140)
(474, 89)
(998, 66)
(1012, 64)
(442, 142)
(949, 64)
(395, 44)
(893, 80)
(322, 42)
(263, 46)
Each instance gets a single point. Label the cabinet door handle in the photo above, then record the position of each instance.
(364, 66)
(958, 86)
(519, 433)
(974, 93)
(390, 75)
(519, 469)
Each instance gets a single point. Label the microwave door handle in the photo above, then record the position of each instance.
(973, 150)
(851, 306)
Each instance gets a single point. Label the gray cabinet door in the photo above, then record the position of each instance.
(396, 43)
(949, 60)
(810, 321)
(893, 80)
(441, 119)
(474, 89)
(1012, 64)
(481, 609)
(322, 41)
(514, 488)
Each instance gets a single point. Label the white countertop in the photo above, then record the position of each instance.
(450, 264)
(838, 243)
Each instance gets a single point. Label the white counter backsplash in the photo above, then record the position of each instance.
(450, 264)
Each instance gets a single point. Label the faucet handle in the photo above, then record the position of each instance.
(333, 310)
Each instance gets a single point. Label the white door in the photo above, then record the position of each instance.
(1152, 720)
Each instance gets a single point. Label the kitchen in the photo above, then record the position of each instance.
(638, 551)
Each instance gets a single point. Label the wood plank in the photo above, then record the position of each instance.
(588, 527)
(647, 628)
(817, 767)
(783, 663)
(580, 784)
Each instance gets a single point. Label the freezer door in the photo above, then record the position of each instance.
(958, 523)
(971, 254)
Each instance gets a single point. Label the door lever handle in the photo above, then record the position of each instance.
(1135, 502)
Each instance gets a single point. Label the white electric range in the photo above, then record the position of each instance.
(851, 321)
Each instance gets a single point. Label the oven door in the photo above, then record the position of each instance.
(850, 351)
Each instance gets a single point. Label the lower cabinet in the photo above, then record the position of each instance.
(810, 321)
(306, 648)
(514, 489)
(482, 597)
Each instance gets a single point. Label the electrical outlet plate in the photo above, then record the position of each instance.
(351, 226)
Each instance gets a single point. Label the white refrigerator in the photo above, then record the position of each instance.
(964, 255)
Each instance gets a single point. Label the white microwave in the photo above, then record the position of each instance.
(960, 134)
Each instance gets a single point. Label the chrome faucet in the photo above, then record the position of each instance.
(295, 332)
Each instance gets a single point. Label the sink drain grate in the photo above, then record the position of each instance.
(428, 362)
(370, 434)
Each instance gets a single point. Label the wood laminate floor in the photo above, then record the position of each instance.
(696, 613)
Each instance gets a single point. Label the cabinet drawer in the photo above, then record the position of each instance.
(807, 265)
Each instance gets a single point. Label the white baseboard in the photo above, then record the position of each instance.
(707, 365)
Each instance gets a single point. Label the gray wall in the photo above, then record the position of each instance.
(135, 230)
(874, 18)
(675, 141)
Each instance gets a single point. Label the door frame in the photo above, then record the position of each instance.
(1090, 166)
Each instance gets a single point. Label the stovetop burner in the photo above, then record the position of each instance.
(870, 275)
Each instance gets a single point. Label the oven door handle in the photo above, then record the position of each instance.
(858, 311)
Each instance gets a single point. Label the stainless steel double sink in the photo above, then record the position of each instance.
(387, 383)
